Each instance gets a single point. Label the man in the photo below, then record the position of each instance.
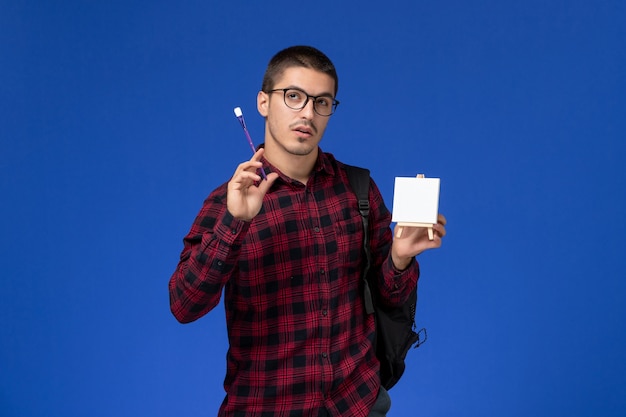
(287, 252)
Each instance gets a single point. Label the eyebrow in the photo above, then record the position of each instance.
(295, 87)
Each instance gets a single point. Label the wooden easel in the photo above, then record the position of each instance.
(401, 225)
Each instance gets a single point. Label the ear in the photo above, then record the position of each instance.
(262, 103)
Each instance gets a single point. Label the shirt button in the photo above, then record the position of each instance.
(324, 313)
(322, 272)
(317, 229)
(324, 355)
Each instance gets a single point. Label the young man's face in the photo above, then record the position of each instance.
(297, 132)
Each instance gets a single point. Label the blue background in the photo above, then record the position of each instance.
(116, 121)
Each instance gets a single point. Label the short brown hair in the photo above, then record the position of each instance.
(298, 56)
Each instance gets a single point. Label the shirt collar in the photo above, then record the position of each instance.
(323, 164)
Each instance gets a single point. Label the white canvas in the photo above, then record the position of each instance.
(415, 200)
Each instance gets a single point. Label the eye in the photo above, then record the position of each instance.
(323, 102)
(294, 95)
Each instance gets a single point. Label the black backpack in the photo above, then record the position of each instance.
(395, 326)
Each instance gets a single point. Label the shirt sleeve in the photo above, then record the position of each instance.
(208, 260)
(394, 286)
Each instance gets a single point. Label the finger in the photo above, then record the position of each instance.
(243, 178)
(441, 219)
(258, 155)
(439, 229)
(264, 186)
(249, 166)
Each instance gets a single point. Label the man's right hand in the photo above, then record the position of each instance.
(244, 198)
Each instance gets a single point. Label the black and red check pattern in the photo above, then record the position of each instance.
(299, 337)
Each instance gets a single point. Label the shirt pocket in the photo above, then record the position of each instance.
(349, 232)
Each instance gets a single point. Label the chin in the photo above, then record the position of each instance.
(301, 150)
(302, 147)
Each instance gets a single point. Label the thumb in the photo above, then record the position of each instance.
(264, 186)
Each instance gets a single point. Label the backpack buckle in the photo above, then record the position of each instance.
(364, 207)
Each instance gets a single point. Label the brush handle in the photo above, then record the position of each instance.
(245, 130)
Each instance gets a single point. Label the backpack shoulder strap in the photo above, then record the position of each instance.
(360, 182)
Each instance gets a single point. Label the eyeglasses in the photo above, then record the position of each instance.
(297, 99)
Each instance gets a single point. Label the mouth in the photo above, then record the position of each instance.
(303, 133)
(303, 130)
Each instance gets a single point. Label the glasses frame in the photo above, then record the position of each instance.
(308, 96)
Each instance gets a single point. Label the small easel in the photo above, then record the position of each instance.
(401, 225)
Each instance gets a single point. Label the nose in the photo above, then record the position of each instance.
(308, 111)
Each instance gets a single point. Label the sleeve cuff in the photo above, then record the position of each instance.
(231, 230)
(401, 278)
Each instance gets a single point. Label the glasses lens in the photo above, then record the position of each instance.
(295, 99)
(324, 106)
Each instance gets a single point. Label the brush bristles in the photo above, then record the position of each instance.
(238, 112)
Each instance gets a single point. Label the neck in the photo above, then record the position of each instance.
(297, 167)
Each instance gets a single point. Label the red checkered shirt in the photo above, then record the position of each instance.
(299, 337)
